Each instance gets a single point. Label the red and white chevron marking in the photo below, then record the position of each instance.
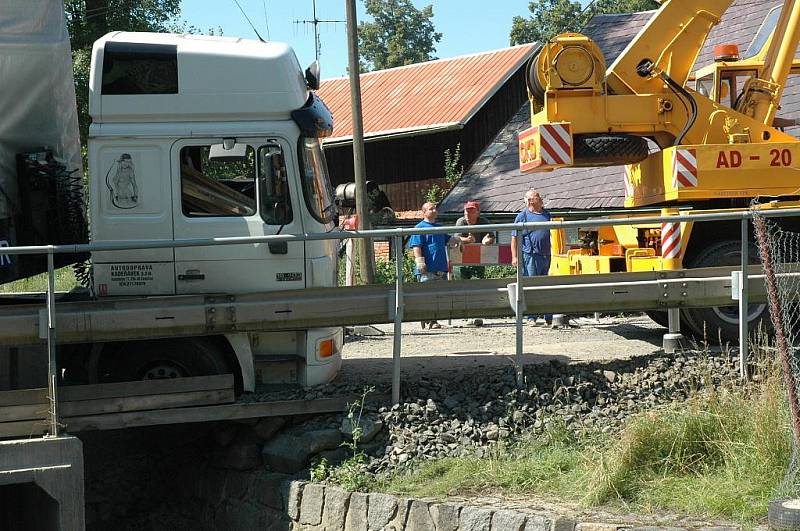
(684, 166)
(556, 143)
(670, 240)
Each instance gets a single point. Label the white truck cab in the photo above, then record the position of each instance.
(212, 137)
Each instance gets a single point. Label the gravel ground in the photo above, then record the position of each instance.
(367, 356)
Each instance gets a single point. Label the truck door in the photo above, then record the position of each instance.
(226, 187)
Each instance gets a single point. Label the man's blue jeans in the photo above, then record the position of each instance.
(534, 265)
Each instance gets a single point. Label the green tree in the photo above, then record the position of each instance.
(88, 20)
(550, 17)
(400, 34)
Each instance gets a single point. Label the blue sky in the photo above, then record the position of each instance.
(467, 26)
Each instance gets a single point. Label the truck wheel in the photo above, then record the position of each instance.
(609, 149)
(163, 359)
(724, 320)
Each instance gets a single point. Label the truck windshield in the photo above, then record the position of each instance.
(317, 189)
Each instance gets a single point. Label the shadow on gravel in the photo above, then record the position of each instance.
(629, 331)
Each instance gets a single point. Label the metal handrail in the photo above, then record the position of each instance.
(388, 233)
(396, 235)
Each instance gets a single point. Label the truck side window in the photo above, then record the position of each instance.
(276, 205)
(215, 187)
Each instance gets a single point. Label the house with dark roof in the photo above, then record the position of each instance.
(412, 114)
(495, 180)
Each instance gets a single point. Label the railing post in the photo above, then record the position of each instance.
(398, 319)
(744, 294)
(52, 365)
(519, 310)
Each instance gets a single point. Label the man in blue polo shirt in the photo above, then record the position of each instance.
(430, 252)
(535, 243)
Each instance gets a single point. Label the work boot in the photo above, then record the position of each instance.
(475, 322)
(434, 325)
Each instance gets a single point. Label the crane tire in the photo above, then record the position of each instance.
(784, 514)
(609, 149)
(723, 322)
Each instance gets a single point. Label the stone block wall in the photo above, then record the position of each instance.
(315, 507)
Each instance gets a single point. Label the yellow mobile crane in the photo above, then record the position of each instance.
(706, 149)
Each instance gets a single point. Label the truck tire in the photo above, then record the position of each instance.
(723, 321)
(784, 514)
(162, 359)
(609, 149)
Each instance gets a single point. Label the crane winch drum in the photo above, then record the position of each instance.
(572, 61)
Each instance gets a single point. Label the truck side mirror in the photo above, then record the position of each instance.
(228, 151)
(312, 76)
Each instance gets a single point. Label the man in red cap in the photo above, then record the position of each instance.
(472, 216)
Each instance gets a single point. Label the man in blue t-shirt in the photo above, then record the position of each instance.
(430, 252)
(535, 243)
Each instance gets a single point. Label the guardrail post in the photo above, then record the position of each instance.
(52, 366)
(518, 311)
(744, 294)
(398, 319)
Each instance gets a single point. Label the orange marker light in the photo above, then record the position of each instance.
(326, 348)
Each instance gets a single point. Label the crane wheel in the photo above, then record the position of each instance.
(609, 149)
(722, 322)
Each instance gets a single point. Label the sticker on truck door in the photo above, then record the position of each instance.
(289, 277)
(122, 184)
(154, 278)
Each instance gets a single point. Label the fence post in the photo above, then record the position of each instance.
(519, 310)
(398, 319)
(744, 294)
(52, 365)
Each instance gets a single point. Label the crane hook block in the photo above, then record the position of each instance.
(568, 61)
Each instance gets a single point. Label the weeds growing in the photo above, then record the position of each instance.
(723, 453)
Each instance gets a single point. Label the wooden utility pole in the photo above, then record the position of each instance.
(366, 252)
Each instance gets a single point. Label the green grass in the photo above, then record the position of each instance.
(722, 454)
(65, 281)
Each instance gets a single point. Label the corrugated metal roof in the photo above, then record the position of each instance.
(495, 179)
(434, 95)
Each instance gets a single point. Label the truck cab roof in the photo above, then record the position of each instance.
(162, 77)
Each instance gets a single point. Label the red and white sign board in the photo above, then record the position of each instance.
(477, 254)
(545, 147)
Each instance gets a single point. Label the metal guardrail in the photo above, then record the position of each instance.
(397, 235)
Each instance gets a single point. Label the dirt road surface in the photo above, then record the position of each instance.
(456, 346)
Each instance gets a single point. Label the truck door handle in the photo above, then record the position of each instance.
(193, 275)
(278, 247)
